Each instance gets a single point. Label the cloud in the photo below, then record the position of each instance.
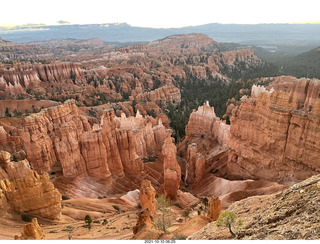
(63, 22)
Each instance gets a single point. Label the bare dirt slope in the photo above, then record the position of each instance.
(72, 225)
(290, 214)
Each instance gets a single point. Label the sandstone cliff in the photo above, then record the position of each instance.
(205, 123)
(165, 95)
(20, 77)
(59, 139)
(274, 134)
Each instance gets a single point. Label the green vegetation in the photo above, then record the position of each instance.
(205, 202)
(163, 206)
(7, 113)
(88, 221)
(116, 207)
(226, 219)
(65, 197)
(304, 65)
(14, 158)
(150, 159)
(104, 222)
(186, 215)
(26, 217)
(178, 205)
(195, 93)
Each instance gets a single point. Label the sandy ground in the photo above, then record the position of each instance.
(72, 225)
(118, 226)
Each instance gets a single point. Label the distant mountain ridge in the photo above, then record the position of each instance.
(302, 37)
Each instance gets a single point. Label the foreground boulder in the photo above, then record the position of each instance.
(31, 231)
(34, 195)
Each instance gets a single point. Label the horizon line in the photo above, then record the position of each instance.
(35, 25)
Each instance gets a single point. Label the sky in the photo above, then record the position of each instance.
(158, 13)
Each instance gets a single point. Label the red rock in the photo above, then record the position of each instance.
(172, 171)
(12, 170)
(33, 194)
(204, 123)
(94, 153)
(214, 208)
(31, 231)
(274, 135)
(164, 94)
(147, 199)
(195, 167)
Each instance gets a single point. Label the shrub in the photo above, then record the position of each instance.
(116, 208)
(105, 221)
(227, 218)
(205, 202)
(186, 215)
(65, 197)
(178, 205)
(88, 220)
(26, 217)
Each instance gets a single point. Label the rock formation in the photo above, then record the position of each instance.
(18, 79)
(214, 208)
(31, 231)
(273, 135)
(205, 123)
(290, 214)
(4, 205)
(10, 51)
(195, 165)
(93, 150)
(190, 41)
(147, 197)
(33, 194)
(12, 170)
(172, 171)
(165, 95)
(60, 137)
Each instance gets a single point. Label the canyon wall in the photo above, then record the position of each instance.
(205, 123)
(165, 95)
(59, 136)
(20, 77)
(275, 134)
